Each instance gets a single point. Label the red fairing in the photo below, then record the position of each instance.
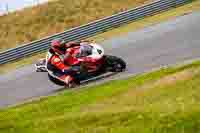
(71, 60)
(89, 59)
(92, 64)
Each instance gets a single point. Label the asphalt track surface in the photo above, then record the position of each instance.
(170, 42)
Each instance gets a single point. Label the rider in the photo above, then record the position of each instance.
(62, 63)
(61, 59)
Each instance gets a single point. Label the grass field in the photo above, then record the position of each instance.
(162, 101)
(123, 30)
(56, 16)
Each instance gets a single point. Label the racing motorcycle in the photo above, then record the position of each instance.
(103, 63)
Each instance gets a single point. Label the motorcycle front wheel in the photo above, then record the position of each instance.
(55, 80)
(115, 64)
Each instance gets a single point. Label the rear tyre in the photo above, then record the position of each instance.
(41, 70)
(115, 64)
(38, 70)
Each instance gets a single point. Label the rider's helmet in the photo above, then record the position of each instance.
(56, 45)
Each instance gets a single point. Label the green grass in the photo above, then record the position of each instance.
(55, 16)
(166, 100)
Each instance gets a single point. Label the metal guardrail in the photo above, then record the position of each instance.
(91, 29)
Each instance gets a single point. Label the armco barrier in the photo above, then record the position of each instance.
(91, 29)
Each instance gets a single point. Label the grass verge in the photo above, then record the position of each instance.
(166, 100)
(123, 30)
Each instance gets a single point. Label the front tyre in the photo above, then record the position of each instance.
(55, 80)
(115, 64)
(73, 84)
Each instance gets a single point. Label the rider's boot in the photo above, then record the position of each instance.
(70, 82)
(73, 84)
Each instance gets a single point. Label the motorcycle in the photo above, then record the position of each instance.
(102, 64)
